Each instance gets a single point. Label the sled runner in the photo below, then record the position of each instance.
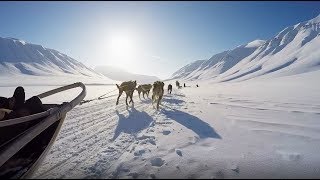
(25, 141)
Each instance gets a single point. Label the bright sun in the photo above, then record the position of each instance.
(122, 47)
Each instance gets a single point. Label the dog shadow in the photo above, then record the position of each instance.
(134, 123)
(146, 100)
(201, 128)
(172, 101)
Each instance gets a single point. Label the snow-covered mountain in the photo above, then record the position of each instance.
(118, 74)
(19, 57)
(292, 51)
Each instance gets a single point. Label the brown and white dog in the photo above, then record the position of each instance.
(157, 92)
(128, 87)
(145, 89)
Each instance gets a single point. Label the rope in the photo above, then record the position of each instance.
(98, 98)
(101, 97)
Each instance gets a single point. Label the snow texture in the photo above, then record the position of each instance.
(266, 127)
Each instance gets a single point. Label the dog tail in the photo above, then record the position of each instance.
(118, 86)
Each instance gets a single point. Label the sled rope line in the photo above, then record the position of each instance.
(100, 97)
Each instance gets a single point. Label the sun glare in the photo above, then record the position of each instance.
(122, 47)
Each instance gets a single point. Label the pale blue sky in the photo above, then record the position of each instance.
(154, 38)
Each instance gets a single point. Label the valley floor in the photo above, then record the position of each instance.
(214, 131)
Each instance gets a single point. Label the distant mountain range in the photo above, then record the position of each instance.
(20, 57)
(122, 75)
(292, 51)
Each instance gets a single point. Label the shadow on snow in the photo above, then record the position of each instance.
(203, 129)
(134, 123)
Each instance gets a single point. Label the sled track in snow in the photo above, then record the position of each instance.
(84, 139)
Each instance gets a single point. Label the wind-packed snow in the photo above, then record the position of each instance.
(260, 128)
(255, 43)
(294, 50)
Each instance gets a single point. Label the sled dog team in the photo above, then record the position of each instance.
(129, 86)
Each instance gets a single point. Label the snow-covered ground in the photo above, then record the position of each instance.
(255, 113)
(252, 129)
(35, 85)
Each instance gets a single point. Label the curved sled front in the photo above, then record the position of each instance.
(25, 141)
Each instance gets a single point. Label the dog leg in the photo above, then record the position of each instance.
(160, 97)
(126, 99)
(158, 104)
(120, 93)
(132, 99)
(154, 101)
(131, 94)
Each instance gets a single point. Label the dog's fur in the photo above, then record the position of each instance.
(169, 88)
(145, 89)
(128, 87)
(157, 92)
(178, 84)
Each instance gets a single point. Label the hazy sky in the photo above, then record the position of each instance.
(154, 38)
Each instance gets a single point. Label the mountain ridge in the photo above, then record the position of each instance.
(122, 75)
(291, 51)
(20, 57)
